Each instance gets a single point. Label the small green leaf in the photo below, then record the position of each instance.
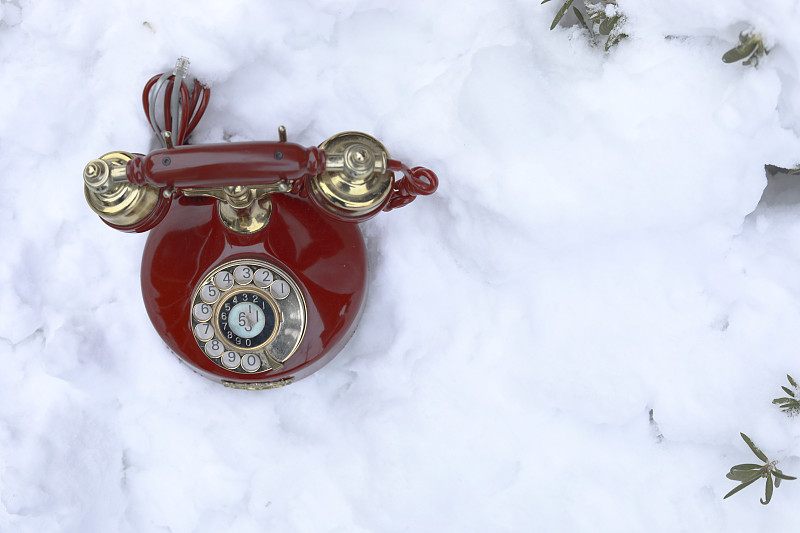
(580, 18)
(740, 52)
(561, 13)
(740, 487)
(780, 475)
(597, 17)
(545, 1)
(777, 401)
(790, 406)
(747, 466)
(792, 382)
(755, 449)
(788, 391)
(744, 475)
(608, 24)
(769, 490)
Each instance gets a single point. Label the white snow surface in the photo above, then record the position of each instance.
(601, 246)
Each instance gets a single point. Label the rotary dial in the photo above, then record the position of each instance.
(248, 316)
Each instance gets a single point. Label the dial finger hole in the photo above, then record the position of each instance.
(251, 362)
(214, 348)
(243, 274)
(279, 289)
(263, 278)
(204, 331)
(231, 360)
(201, 311)
(209, 294)
(223, 280)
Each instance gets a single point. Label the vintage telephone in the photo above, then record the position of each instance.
(254, 271)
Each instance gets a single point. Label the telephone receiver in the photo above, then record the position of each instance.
(254, 271)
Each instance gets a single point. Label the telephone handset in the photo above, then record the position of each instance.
(254, 269)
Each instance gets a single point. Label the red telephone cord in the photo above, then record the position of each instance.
(192, 106)
(415, 182)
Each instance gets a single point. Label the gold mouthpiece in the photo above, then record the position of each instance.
(356, 181)
(110, 194)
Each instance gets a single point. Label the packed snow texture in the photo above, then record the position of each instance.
(604, 243)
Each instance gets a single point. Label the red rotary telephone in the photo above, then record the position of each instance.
(254, 271)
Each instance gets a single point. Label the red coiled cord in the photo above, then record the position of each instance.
(192, 106)
(417, 181)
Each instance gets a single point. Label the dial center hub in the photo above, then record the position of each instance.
(247, 319)
(248, 316)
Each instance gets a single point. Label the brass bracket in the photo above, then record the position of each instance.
(242, 209)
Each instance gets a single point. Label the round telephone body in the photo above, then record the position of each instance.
(268, 307)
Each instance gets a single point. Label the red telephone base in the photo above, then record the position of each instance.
(324, 257)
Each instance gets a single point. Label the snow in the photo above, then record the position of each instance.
(604, 243)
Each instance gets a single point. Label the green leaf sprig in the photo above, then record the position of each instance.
(789, 404)
(750, 49)
(609, 26)
(747, 474)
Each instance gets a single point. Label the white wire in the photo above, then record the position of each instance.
(152, 97)
(180, 71)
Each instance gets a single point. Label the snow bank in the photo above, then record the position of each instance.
(596, 251)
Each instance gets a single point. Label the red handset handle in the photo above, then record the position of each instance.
(221, 165)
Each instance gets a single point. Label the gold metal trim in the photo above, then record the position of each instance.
(242, 208)
(258, 385)
(219, 192)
